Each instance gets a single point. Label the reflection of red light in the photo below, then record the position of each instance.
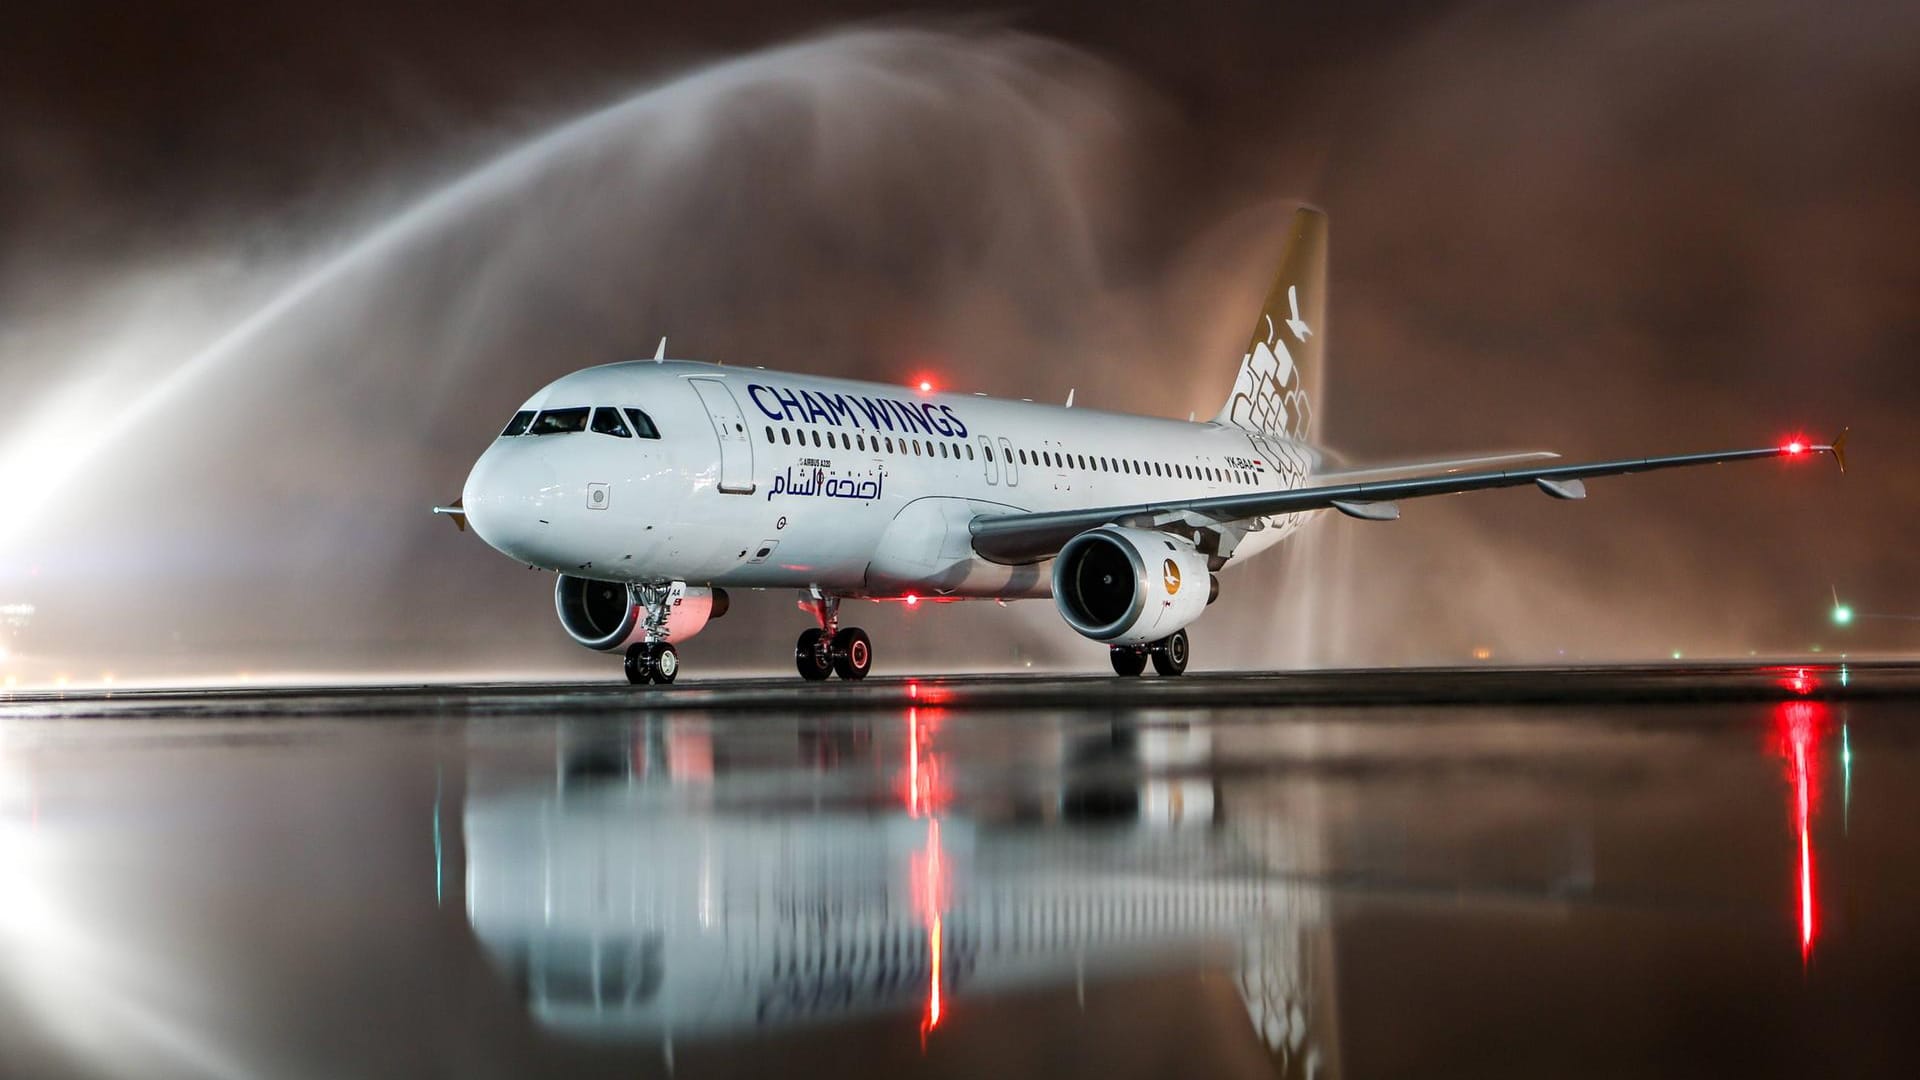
(929, 896)
(913, 762)
(1800, 724)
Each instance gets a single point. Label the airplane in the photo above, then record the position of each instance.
(652, 488)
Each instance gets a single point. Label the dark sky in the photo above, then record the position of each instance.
(1602, 228)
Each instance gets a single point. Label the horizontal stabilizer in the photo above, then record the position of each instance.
(1368, 511)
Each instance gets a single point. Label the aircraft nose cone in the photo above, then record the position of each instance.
(506, 501)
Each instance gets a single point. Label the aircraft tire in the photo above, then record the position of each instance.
(639, 672)
(852, 654)
(663, 662)
(1170, 654)
(810, 658)
(1127, 660)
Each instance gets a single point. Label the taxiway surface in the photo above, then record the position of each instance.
(1673, 869)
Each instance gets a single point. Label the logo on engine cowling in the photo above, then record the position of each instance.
(1172, 574)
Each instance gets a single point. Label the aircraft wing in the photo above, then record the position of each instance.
(1024, 538)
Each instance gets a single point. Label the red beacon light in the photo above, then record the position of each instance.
(1795, 446)
(926, 386)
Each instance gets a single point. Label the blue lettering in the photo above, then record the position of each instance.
(789, 402)
(814, 411)
(873, 414)
(909, 419)
(753, 391)
(842, 412)
(960, 428)
(934, 420)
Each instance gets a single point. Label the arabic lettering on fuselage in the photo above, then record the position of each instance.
(856, 410)
(817, 482)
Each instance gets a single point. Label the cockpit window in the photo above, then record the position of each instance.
(607, 422)
(519, 424)
(643, 424)
(557, 421)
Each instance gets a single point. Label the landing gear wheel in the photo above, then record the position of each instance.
(852, 654)
(664, 661)
(1170, 653)
(1127, 659)
(810, 655)
(656, 662)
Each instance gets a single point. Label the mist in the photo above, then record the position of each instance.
(1606, 230)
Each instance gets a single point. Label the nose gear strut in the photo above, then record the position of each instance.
(653, 658)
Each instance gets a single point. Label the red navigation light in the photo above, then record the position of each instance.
(1796, 447)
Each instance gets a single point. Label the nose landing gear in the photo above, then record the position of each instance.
(654, 659)
(828, 649)
(653, 662)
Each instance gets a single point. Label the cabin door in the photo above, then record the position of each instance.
(730, 426)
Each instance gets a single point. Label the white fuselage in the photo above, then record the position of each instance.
(769, 479)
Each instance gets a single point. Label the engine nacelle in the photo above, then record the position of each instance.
(607, 615)
(1130, 586)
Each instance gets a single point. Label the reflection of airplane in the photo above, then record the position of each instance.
(622, 906)
(652, 488)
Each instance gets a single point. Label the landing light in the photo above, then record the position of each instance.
(1842, 615)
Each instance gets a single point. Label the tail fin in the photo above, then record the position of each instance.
(1283, 358)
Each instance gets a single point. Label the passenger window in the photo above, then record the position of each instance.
(969, 451)
(786, 437)
(1023, 457)
(989, 451)
(943, 449)
(889, 444)
(816, 437)
(859, 441)
(560, 421)
(521, 421)
(607, 422)
(769, 434)
(643, 424)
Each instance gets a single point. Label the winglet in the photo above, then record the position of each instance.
(1839, 449)
(455, 512)
(660, 354)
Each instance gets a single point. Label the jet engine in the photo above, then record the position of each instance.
(608, 615)
(1130, 586)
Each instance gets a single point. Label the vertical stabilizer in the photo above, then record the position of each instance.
(1282, 360)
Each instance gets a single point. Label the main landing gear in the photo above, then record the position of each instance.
(828, 649)
(653, 659)
(1169, 656)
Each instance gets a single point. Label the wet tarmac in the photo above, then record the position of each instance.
(1593, 872)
